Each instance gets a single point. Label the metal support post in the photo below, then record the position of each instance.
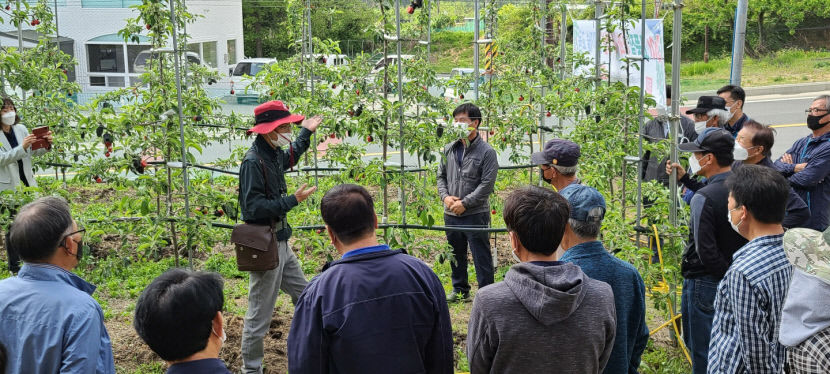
(177, 66)
(476, 72)
(641, 122)
(597, 44)
(400, 108)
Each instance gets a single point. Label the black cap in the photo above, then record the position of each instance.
(707, 103)
(713, 140)
(558, 152)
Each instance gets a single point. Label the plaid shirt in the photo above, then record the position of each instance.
(812, 356)
(748, 310)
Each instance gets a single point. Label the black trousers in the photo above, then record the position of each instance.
(479, 243)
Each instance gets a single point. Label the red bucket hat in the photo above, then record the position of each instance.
(269, 115)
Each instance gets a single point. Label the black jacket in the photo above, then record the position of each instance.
(255, 205)
(712, 241)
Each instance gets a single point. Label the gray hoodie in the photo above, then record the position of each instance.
(542, 319)
(806, 310)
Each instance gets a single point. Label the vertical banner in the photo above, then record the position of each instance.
(614, 50)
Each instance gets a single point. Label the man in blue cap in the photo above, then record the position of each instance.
(712, 241)
(558, 161)
(582, 248)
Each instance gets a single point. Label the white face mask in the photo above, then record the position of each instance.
(740, 153)
(222, 337)
(700, 126)
(8, 118)
(281, 140)
(461, 125)
(694, 165)
(729, 218)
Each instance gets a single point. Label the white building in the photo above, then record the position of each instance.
(89, 30)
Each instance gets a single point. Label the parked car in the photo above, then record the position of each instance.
(330, 60)
(140, 62)
(250, 67)
(460, 73)
(390, 60)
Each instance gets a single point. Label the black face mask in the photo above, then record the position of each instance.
(813, 122)
(80, 252)
(542, 174)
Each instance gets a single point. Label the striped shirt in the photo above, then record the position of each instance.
(748, 310)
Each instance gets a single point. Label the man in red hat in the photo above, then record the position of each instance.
(263, 199)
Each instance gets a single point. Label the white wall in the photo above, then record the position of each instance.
(220, 21)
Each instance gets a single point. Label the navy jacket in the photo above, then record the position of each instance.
(629, 302)
(712, 241)
(375, 312)
(812, 183)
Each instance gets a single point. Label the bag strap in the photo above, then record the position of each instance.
(264, 173)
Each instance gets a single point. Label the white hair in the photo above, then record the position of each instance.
(723, 116)
(826, 99)
(566, 170)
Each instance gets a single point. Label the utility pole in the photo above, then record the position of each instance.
(738, 43)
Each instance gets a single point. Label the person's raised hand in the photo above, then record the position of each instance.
(303, 192)
(312, 123)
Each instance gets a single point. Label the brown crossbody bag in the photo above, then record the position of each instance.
(256, 245)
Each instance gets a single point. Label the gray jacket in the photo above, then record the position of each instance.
(542, 319)
(654, 168)
(473, 181)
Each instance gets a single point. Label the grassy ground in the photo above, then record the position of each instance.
(783, 67)
(454, 49)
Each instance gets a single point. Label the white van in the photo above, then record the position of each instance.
(390, 60)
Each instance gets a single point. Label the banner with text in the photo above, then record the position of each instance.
(614, 50)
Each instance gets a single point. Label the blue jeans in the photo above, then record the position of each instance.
(479, 245)
(698, 308)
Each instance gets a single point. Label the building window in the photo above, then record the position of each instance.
(209, 54)
(109, 3)
(231, 52)
(105, 58)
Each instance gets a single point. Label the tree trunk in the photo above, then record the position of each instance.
(706, 44)
(761, 40)
(258, 41)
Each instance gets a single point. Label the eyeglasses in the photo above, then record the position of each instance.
(80, 231)
(815, 110)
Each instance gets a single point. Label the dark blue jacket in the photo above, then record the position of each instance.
(812, 183)
(375, 312)
(629, 301)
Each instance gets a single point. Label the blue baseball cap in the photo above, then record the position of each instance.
(582, 200)
(558, 152)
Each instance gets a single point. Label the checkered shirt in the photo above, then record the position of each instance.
(812, 356)
(748, 310)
